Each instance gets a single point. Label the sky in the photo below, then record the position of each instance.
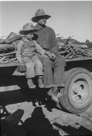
(68, 18)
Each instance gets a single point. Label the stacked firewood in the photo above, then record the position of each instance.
(70, 51)
(8, 57)
(8, 49)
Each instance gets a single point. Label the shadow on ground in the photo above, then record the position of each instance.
(81, 131)
(23, 94)
(36, 125)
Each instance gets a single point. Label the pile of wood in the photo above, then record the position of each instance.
(8, 57)
(8, 48)
(70, 51)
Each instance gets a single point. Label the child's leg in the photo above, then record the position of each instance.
(30, 72)
(38, 70)
(37, 66)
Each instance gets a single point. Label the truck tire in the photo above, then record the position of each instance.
(77, 95)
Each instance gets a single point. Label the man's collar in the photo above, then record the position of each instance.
(40, 27)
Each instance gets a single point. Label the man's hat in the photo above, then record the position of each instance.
(28, 28)
(40, 14)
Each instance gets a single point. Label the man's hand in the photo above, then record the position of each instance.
(48, 54)
(21, 62)
(43, 55)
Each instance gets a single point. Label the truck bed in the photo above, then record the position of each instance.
(11, 64)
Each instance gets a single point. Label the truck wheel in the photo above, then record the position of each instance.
(77, 96)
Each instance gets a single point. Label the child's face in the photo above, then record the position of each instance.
(29, 36)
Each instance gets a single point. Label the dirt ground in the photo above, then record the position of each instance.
(61, 120)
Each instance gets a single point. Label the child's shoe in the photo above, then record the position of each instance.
(40, 82)
(31, 84)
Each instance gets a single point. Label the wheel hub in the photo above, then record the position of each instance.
(80, 91)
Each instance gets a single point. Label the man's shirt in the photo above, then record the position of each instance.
(47, 39)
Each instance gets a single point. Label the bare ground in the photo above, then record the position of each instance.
(66, 123)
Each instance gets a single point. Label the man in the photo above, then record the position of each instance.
(54, 63)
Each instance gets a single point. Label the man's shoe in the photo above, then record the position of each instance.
(55, 98)
(31, 84)
(40, 82)
(54, 94)
(59, 94)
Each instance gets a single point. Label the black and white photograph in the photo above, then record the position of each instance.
(46, 68)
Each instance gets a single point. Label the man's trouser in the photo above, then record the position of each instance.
(54, 72)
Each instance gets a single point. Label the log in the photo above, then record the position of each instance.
(7, 46)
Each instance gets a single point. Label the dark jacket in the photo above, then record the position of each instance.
(47, 39)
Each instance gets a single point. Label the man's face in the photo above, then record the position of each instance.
(42, 22)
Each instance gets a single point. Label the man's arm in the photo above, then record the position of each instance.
(39, 48)
(53, 41)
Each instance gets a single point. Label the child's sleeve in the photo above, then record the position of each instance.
(19, 49)
(39, 48)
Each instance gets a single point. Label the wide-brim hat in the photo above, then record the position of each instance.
(28, 28)
(40, 14)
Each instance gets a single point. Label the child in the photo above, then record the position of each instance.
(28, 53)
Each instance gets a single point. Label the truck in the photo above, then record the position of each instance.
(76, 97)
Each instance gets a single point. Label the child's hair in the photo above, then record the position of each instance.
(35, 37)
